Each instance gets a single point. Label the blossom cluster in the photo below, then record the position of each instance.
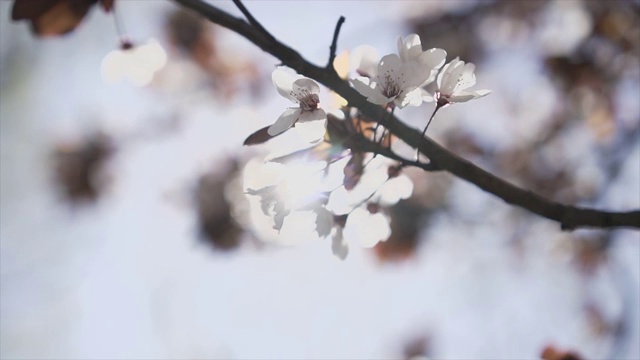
(349, 205)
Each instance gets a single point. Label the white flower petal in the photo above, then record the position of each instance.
(368, 229)
(410, 47)
(365, 60)
(464, 96)
(305, 86)
(450, 81)
(467, 78)
(427, 96)
(313, 127)
(284, 122)
(283, 80)
(315, 115)
(433, 58)
(413, 74)
(412, 97)
(370, 89)
(390, 65)
(395, 190)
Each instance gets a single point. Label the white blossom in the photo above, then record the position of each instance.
(454, 80)
(410, 49)
(136, 64)
(398, 78)
(304, 92)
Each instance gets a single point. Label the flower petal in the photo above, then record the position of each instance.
(305, 86)
(464, 96)
(368, 229)
(450, 82)
(283, 80)
(410, 47)
(445, 73)
(390, 65)
(412, 97)
(312, 125)
(433, 58)
(285, 121)
(370, 89)
(365, 60)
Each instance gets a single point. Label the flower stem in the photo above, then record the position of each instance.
(438, 106)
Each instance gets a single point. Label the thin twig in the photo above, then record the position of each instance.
(252, 20)
(334, 43)
(438, 106)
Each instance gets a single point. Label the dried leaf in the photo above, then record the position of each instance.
(259, 137)
(353, 170)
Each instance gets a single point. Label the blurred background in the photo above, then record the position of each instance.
(123, 228)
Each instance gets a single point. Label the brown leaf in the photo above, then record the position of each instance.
(353, 171)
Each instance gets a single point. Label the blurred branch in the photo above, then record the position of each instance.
(569, 217)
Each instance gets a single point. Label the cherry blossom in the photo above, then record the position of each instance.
(398, 78)
(410, 49)
(454, 80)
(308, 115)
(135, 63)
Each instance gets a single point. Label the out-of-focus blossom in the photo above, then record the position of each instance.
(366, 227)
(79, 168)
(454, 80)
(135, 63)
(308, 116)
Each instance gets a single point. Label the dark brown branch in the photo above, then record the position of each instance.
(569, 217)
(334, 43)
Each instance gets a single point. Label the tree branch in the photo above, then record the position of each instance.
(569, 217)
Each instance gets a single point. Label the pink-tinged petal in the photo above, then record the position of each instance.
(285, 121)
(464, 96)
(283, 80)
(305, 86)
